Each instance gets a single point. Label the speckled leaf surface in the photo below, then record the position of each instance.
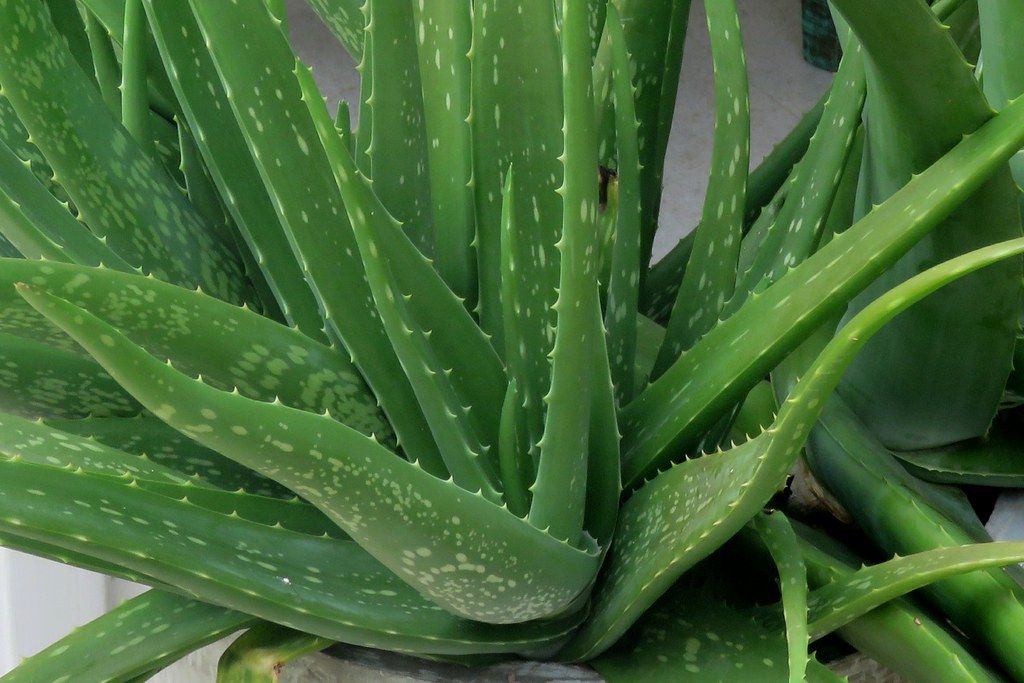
(142, 634)
(345, 20)
(148, 436)
(314, 584)
(496, 567)
(711, 272)
(671, 413)
(778, 536)
(942, 367)
(232, 347)
(517, 122)
(122, 194)
(686, 512)
(207, 110)
(253, 56)
(41, 381)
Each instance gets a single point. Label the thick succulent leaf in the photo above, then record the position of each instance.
(458, 382)
(345, 20)
(106, 68)
(780, 539)
(517, 122)
(252, 55)
(14, 136)
(148, 436)
(231, 347)
(39, 225)
(942, 367)
(856, 468)
(692, 635)
(837, 603)
(795, 231)
(145, 633)
(444, 33)
(495, 567)
(560, 490)
(206, 108)
(899, 634)
(121, 193)
(711, 272)
(259, 654)
(1002, 22)
(764, 183)
(134, 91)
(319, 585)
(624, 278)
(398, 134)
(41, 381)
(686, 512)
(673, 412)
(992, 461)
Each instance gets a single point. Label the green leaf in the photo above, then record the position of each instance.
(686, 512)
(444, 33)
(624, 279)
(145, 633)
(672, 413)
(453, 369)
(160, 443)
(319, 585)
(344, 473)
(937, 374)
(345, 20)
(1001, 23)
(398, 135)
(42, 381)
(560, 489)
(206, 108)
(711, 272)
(231, 347)
(517, 122)
(781, 541)
(251, 54)
(141, 214)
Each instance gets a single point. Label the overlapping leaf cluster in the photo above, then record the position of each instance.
(413, 384)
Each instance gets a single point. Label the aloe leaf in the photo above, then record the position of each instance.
(968, 331)
(763, 183)
(836, 603)
(318, 585)
(14, 136)
(560, 490)
(444, 33)
(134, 94)
(141, 214)
(206, 108)
(142, 634)
(341, 471)
(398, 135)
(41, 381)
(1001, 23)
(147, 436)
(345, 20)
(251, 54)
(517, 121)
(624, 279)
(694, 635)
(106, 68)
(674, 411)
(231, 347)
(686, 512)
(711, 273)
(780, 539)
(456, 381)
(39, 225)
(991, 461)
(68, 20)
(900, 635)
(259, 654)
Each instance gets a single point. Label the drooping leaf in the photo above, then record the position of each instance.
(780, 539)
(141, 635)
(673, 412)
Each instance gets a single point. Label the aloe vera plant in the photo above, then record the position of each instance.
(413, 383)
